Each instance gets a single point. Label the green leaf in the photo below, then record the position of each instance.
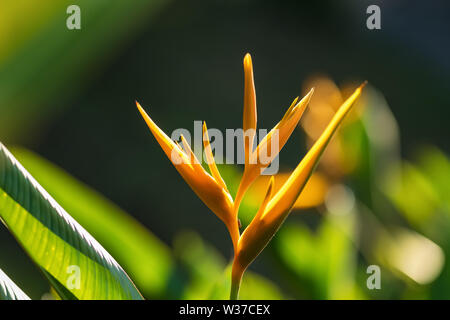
(323, 262)
(435, 165)
(9, 290)
(202, 263)
(70, 58)
(55, 241)
(414, 195)
(145, 258)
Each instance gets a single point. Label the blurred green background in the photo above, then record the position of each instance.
(67, 113)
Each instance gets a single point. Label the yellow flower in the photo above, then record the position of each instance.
(210, 189)
(213, 191)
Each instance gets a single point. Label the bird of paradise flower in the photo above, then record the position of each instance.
(213, 191)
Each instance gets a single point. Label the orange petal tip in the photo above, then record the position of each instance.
(363, 85)
(247, 60)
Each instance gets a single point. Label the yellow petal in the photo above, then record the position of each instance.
(190, 154)
(250, 117)
(205, 186)
(266, 199)
(284, 129)
(286, 196)
(169, 147)
(264, 155)
(314, 192)
(210, 158)
(260, 231)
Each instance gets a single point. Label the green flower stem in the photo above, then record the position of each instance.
(236, 279)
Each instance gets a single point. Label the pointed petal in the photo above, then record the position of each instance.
(289, 192)
(210, 158)
(260, 231)
(265, 152)
(191, 155)
(250, 115)
(206, 188)
(289, 111)
(283, 129)
(267, 198)
(170, 148)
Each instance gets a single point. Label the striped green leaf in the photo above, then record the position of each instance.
(145, 258)
(76, 265)
(9, 290)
